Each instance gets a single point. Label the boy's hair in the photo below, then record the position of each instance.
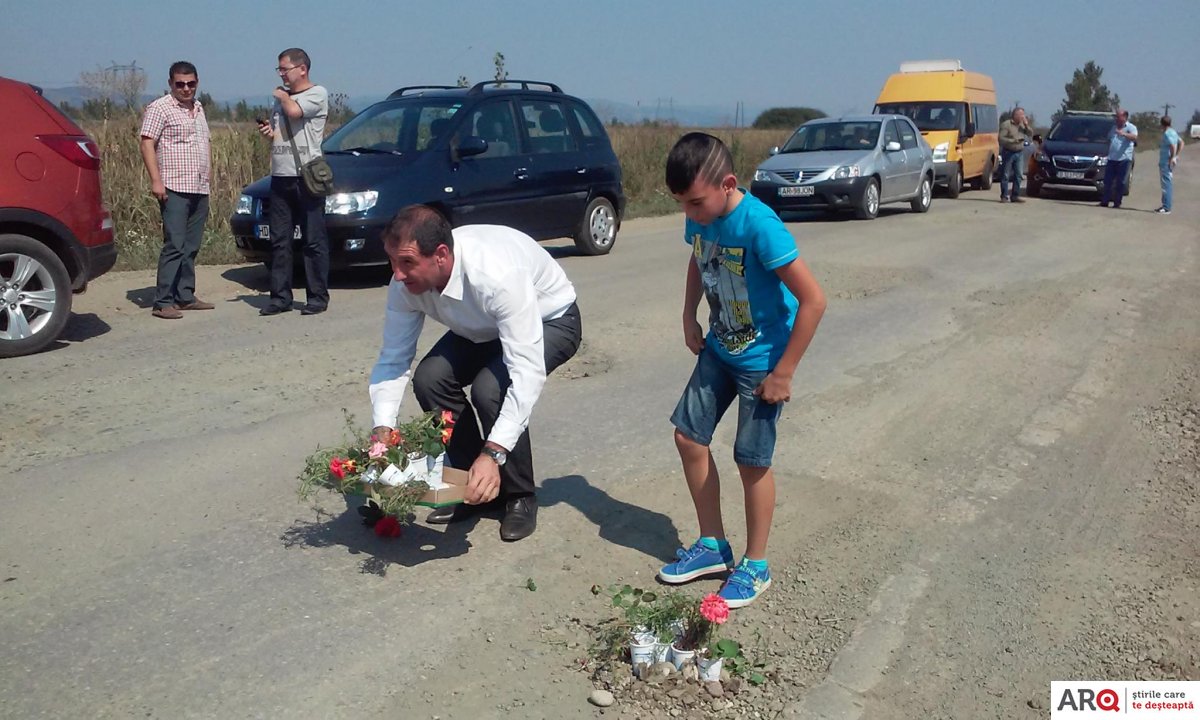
(697, 157)
(418, 224)
(183, 67)
(297, 56)
(1166, 121)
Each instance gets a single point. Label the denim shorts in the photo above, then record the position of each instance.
(709, 393)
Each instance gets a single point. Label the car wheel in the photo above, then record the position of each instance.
(924, 196)
(985, 180)
(954, 183)
(598, 230)
(1033, 189)
(868, 202)
(36, 294)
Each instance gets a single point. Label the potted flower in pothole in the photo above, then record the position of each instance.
(699, 637)
(390, 473)
(639, 609)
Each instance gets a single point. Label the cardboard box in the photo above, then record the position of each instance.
(451, 495)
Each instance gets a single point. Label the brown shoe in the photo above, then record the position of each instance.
(169, 312)
(197, 304)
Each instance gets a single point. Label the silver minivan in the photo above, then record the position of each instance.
(855, 163)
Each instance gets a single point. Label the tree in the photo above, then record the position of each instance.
(786, 117)
(1195, 118)
(1086, 92)
(123, 84)
(501, 73)
(463, 81)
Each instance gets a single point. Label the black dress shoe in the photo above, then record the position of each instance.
(520, 518)
(311, 309)
(275, 309)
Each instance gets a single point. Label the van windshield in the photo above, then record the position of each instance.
(395, 127)
(833, 136)
(933, 115)
(1081, 130)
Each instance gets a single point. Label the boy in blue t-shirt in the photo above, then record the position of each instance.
(764, 306)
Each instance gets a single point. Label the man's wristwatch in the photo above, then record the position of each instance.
(499, 456)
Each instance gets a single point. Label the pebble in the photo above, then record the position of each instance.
(714, 688)
(601, 698)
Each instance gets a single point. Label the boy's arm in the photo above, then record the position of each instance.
(777, 387)
(693, 333)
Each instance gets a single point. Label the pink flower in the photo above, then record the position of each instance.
(714, 609)
(377, 450)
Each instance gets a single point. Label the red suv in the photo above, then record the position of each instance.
(55, 232)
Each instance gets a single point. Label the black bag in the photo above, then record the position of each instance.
(316, 174)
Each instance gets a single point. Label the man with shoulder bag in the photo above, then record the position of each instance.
(300, 179)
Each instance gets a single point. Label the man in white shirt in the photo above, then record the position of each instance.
(512, 320)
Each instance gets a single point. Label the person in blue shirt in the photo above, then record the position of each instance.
(1168, 156)
(1121, 140)
(764, 307)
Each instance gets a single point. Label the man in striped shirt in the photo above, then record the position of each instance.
(175, 149)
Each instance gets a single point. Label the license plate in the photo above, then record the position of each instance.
(797, 191)
(1065, 175)
(264, 232)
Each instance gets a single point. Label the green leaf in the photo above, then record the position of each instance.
(531, 585)
(626, 590)
(637, 592)
(757, 678)
(649, 597)
(727, 648)
(595, 589)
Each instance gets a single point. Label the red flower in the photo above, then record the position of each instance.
(447, 419)
(446, 432)
(349, 466)
(395, 438)
(336, 468)
(388, 526)
(714, 609)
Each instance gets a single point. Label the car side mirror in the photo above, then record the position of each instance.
(969, 132)
(892, 146)
(472, 145)
(775, 150)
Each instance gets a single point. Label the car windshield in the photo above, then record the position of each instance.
(1082, 130)
(833, 136)
(403, 126)
(937, 115)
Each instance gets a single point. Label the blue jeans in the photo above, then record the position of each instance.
(1115, 173)
(711, 390)
(1164, 175)
(183, 218)
(1010, 163)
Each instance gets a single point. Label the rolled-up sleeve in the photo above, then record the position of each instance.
(514, 305)
(401, 328)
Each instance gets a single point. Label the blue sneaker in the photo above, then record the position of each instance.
(745, 585)
(694, 562)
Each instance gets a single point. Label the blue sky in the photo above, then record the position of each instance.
(829, 55)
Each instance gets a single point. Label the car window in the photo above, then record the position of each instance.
(891, 134)
(494, 123)
(547, 127)
(908, 135)
(394, 127)
(846, 135)
(588, 124)
(985, 118)
(1083, 130)
(930, 115)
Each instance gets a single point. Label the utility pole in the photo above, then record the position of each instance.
(1167, 109)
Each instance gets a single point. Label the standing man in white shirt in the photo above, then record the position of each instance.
(512, 320)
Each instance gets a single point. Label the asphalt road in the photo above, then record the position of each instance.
(966, 482)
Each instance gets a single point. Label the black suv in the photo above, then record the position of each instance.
(519, 153)
(1074, 153)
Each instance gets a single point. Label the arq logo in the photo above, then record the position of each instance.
(1087, 699)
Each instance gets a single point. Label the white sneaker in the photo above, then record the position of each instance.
(1163, 211)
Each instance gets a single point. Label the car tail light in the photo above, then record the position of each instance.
(79, 149)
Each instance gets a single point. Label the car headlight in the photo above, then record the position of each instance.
(846, 171)
(940, 151)
(245, 205)
(348, 203)
(762, 176)
(1101, 161)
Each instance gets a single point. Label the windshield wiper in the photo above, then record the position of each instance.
(363, 151)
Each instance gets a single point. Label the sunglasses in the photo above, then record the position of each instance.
(180, 84)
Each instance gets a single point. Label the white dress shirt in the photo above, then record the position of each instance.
(502, 285)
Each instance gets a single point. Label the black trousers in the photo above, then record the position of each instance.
(291, 205)
(454, 363)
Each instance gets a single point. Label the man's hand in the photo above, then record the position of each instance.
(483, 481)
(693, 335)
(281, 94)
(774, 389)
(158, 190)
(266, 130)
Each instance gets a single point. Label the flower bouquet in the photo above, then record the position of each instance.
(391, 472)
